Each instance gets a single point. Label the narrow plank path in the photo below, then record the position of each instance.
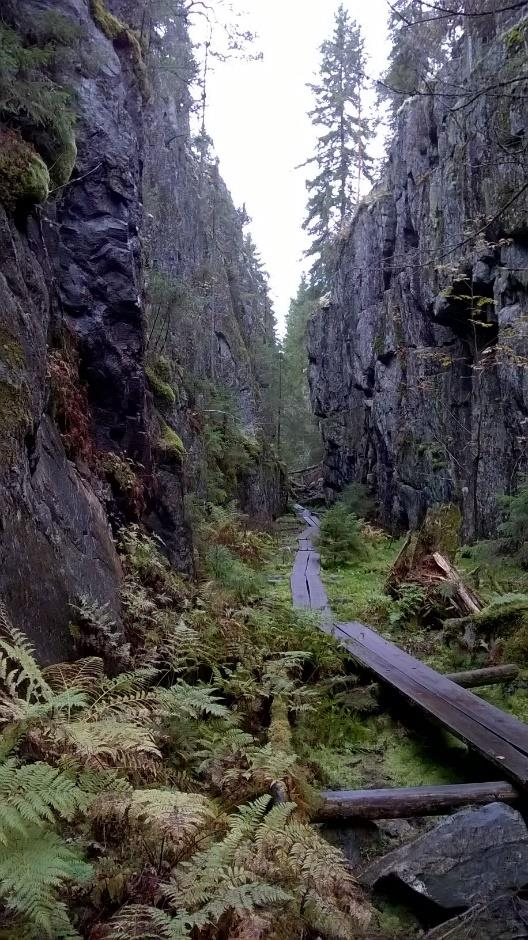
(497, 736)
(307, 588)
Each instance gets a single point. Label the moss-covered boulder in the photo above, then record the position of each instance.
(503, 622)
(170, 445)
(159, 386)
(24, 177)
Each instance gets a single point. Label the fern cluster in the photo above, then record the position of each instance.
(162, 773)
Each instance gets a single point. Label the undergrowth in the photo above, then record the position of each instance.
(142, 803)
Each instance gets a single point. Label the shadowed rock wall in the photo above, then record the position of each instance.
(418, 363)
(73, 275)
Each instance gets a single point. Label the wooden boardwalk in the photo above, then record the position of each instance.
(307, 588)
(497, 736)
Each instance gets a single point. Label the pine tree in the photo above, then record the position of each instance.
(341, 156)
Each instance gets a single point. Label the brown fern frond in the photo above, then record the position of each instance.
(83, 674)
(170, 817)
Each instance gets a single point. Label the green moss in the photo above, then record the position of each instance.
(11, 352)
(395, 921)
(171, 443)
(163, 368)
(161, 390)
(64, 158)
(515, 38)
(357, 592)
(251, 445)
(114, 29)
(15, 420)
(31, 100)
(409, 763)
(24, 177)
(503, 617)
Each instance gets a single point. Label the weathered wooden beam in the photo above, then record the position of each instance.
(410, 801)
(492, 675)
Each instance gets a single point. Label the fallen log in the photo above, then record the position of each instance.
(410, 801)
(492, 675)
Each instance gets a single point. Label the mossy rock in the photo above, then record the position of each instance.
(163, 368)
(504, 618)
(161, 389)
(122, 34)
(24, 177)
(171, 444)
(11, 352)
(516, 37)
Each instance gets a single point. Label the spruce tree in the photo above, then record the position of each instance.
(341, 158)
(421, 42)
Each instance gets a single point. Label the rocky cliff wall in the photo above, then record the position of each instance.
(85, 443)
(418, 362)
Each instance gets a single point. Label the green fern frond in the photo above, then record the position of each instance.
(140, 922)
(14, 709)
(326, 919)
(193, 701)
(107, 742)
(243, 899)
(275, 821)
(33, 870)
(159, 814)
(21, 711)
(94, 782)
(19, 670)
(134, 706)
(134, 681)
(33, 793)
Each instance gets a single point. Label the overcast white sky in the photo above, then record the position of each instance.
(257, 119)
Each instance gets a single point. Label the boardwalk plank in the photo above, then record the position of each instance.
(298, 582)
(318, 598)
(513, 762)
(490, 717)
(500, 738)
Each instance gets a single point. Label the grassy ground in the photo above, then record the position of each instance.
(349, 739)
(490, 571)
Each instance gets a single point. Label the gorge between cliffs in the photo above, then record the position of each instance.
(190, 711)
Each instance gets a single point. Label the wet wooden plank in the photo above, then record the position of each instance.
(511, 760)
(298, 581)
(404, 802)
(318, 597)
(490, 717)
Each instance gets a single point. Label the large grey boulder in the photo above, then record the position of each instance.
(468, 858)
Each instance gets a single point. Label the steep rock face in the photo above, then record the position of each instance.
(72, 269)
(73, 277)
(418, 363)
(208, 311)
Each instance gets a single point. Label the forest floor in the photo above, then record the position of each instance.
(361, 737)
